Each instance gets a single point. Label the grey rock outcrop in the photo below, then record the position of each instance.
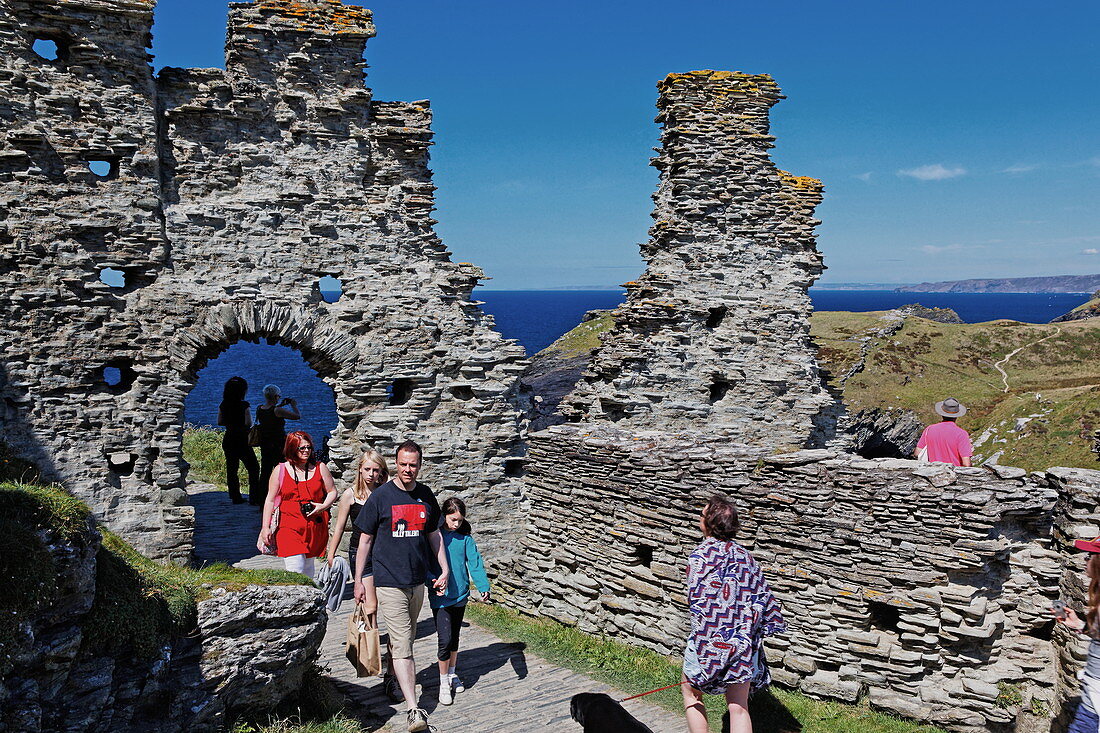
(248, 652)
(225, 195)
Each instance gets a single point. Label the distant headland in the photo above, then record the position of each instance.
(1053, 284)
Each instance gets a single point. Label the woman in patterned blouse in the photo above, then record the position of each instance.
(732, 610)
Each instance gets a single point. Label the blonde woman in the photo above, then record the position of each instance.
(371, 473)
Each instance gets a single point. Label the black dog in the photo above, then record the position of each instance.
(599, 713)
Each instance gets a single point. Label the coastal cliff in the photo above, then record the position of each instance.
(1055, 284)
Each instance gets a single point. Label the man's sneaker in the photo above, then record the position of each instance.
(392, 689)
(418, 720)
(456, 684)
(446, 695)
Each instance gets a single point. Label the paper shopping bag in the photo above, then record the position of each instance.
(364, 650)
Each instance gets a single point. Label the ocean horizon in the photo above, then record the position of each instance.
(536, 318)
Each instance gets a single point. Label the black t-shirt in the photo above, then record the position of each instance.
(400, 522)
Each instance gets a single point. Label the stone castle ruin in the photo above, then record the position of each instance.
(224, 196)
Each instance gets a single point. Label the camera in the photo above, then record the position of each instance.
(307, 507)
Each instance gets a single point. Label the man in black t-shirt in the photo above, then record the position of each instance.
(400, 533)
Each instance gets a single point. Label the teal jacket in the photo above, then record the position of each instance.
(466, 563)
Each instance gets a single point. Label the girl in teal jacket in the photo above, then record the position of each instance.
(449, 607)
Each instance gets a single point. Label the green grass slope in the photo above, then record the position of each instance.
(1038, 410)
(1041, 412)
(139, 603)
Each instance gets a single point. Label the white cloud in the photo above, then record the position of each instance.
(935, 172)
(864, 176)
(1090, 251)
(1019, 168)
(932, 249)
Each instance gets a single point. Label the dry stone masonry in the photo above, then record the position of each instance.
(222, 197)
(921, 588)
(715, 334)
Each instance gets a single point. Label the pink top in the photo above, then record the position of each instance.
(946, 443)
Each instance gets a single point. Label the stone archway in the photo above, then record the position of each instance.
(231, 194)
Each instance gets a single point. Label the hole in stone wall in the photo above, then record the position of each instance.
(119, 375)
(644, 555)
(103, 167)
(113, 278)
(331, 288)
(515, 467)
(1045, 632)
(714, 320)
(883, 616)
(718, 389)
(613, 411)
(50, 49)
(121, 463)
(400, 391)
(828, 666)
(463, 391)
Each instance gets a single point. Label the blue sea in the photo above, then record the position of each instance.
(536, 318)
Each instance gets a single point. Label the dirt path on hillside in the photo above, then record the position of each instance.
(998, 365)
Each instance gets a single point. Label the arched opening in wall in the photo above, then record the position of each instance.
(208, 447)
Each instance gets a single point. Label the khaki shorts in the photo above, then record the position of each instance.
(399, 608)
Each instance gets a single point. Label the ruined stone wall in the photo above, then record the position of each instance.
(921, 587)
(715, 334)
(231, 193)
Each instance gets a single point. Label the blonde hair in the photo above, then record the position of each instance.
(362, 491)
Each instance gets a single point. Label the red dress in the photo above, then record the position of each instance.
(295, 534)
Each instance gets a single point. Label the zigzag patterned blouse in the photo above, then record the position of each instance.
(732, 610)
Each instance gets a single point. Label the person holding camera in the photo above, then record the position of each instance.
(302, 490)
(271, 418)
(1087, 717)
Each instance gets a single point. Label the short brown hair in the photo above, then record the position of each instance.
(720, 518)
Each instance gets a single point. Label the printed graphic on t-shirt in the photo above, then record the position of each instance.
(409, 520)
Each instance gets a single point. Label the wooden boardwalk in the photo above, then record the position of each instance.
(507, 688)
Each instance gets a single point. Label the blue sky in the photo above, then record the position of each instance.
(955, 140)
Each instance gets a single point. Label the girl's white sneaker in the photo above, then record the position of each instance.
(456, 684)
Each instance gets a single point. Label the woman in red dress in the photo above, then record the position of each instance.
(302, 490)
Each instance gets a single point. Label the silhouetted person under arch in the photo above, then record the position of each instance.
(271, 416)
(235, 414)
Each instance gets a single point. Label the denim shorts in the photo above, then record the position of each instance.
(1085, 721)
(692, 670)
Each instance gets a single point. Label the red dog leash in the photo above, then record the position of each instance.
(643, 694)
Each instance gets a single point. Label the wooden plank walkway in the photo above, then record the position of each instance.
(507, 688)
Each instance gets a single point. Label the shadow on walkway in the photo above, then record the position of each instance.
(768, 715)
(224, 531)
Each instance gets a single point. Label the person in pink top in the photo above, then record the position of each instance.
(945, 441)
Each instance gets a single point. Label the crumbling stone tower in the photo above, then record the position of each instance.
(715, 335)
(224, 197)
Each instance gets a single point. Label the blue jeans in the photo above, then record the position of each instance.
(1085, 721)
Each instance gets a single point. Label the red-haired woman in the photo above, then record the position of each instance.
(732, 610)
(303, 490)
(1086, 720)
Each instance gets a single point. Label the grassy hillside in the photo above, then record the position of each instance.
(1041, 412)
(1040, 408)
